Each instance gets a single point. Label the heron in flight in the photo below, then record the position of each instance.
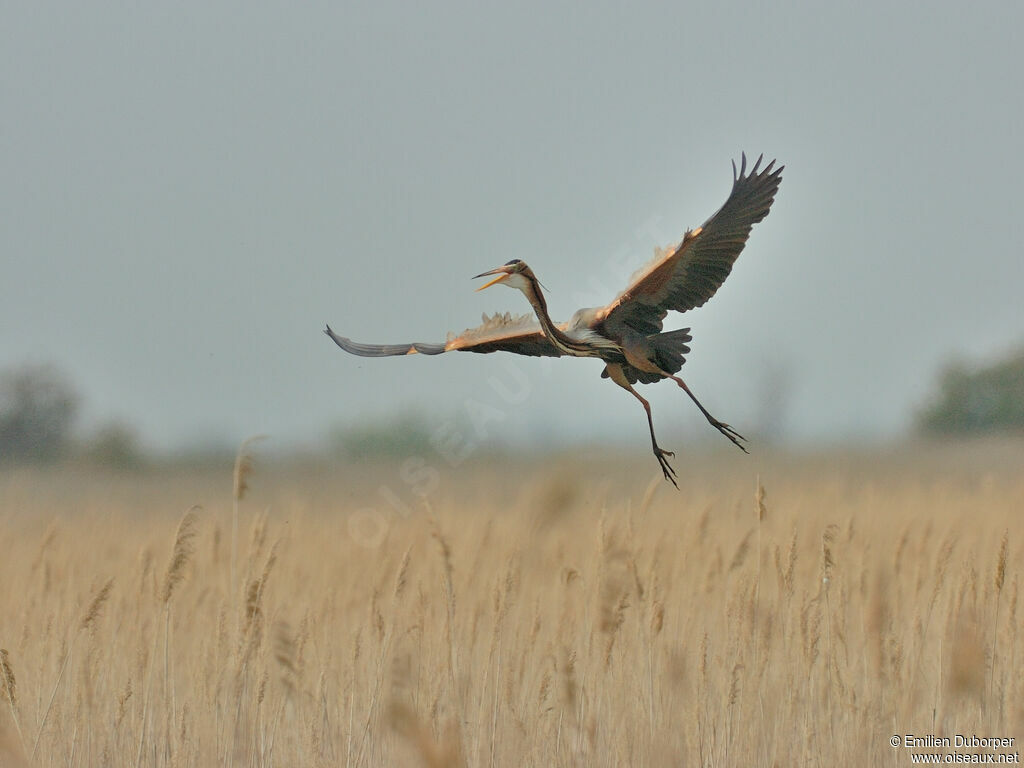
(627, 333)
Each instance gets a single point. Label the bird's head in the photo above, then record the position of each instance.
(514, 274)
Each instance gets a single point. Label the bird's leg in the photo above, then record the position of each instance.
(616, 374)
(721, 426)
(659, 453)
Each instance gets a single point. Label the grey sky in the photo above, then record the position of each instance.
(191, 190)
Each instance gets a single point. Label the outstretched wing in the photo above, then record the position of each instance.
(383, 350)
(498, 333)
(520, 334)
(686, 276)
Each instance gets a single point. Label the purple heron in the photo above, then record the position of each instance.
(627, 333)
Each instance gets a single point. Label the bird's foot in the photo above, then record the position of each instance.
(734, 437)
(666, 468)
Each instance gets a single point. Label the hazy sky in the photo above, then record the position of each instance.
(191, 190)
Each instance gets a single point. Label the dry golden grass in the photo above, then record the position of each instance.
(581, 618)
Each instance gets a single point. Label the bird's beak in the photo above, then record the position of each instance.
(501, 272)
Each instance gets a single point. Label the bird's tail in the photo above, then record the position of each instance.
(669, 349)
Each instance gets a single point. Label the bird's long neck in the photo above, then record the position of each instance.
(565, 344)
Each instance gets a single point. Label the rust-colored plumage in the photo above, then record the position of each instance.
(627, 333)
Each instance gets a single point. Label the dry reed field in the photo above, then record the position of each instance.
(583, 619)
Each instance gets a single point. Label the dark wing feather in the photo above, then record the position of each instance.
(500, 333)
(687, 276)
(384, 350)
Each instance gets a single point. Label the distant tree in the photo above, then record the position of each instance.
(976, 400)
(114, 445)
(37, 413)
(406, 434)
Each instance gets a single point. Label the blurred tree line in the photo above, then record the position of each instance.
(38, 414)
(39, 411)
(975, 400)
